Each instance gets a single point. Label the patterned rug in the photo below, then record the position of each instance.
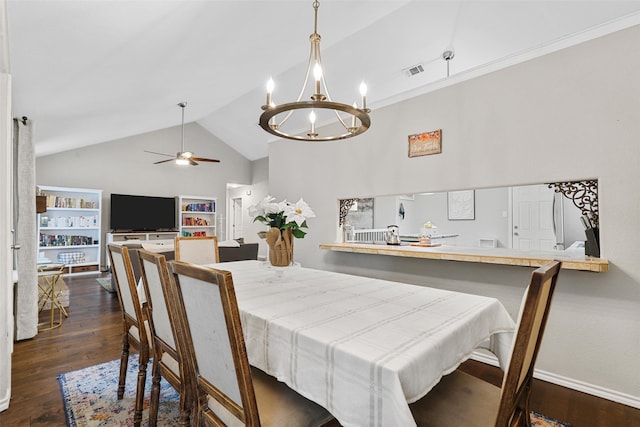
(106, 283)
(89, 397)
(90, 400)
(539, 420)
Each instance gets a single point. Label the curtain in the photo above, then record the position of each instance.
(24, 219)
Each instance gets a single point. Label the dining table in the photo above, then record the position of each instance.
(363, 348)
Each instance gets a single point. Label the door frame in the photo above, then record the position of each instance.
(6, 253)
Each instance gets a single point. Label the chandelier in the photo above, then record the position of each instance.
(354, 120)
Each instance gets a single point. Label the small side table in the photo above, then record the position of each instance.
(48, 275)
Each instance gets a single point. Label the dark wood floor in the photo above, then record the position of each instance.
(91, 335)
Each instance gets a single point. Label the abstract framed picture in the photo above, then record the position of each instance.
(461, 205)
(426, 143)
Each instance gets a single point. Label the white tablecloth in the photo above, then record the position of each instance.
(362, 348)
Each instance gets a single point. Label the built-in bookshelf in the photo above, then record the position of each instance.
(69, 230)
(196, 216)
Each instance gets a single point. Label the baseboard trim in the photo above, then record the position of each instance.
(594, 390)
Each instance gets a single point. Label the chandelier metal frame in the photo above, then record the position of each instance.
(269, 120)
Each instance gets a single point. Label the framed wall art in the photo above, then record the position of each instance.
(426, 143)
(461, 205)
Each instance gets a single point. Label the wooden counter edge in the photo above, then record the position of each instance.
(597, 265)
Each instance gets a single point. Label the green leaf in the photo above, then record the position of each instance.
(299, 234)
(260, 218)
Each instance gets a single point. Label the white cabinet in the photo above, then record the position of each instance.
(69, 231)
(157, 237)
(196, 216)
(160, 237)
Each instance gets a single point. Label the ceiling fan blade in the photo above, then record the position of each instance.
(162, 154)
(164, 161)
(192, 162)
(201, 159)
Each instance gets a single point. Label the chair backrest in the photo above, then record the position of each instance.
(197, 250)
(122, 272)
(154, 271)
(534, 311)
(212, 341)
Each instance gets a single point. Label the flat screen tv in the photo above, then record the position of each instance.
(142, 213)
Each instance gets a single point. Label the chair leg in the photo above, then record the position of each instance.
(185, 409)
(199, 404)
(124, 363)
(154, 400)
(142, 377)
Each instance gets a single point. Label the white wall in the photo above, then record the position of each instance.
(122, 166)
(569, 115)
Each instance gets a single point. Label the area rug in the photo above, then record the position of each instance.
(89, 397)
(106, 283)
(539, 420)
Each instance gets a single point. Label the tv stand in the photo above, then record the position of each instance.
(152, 236)
(158, 237)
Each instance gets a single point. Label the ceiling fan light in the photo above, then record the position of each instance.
(184, 158)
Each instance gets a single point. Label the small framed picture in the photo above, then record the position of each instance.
(426, 143)
(461, 205)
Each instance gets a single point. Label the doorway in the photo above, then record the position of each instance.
(537, 218)
(236, 218)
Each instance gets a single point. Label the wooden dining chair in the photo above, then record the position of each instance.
(167, 363)
(134, 327)
(228, 391)
(197, 249)
(460, 399)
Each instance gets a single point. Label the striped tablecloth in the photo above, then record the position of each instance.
(363, 348)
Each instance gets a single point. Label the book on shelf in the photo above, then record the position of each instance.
(194, 222)
(194, 234)
(54, 201)
(69, 221)
(52, 240)
(198, 207)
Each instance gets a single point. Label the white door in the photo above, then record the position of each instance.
(534, 227)
(237, 218)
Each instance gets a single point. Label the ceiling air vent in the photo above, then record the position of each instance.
(416, 69)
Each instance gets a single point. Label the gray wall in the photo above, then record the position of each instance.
(122, 166)
(252, 194)
(569, 115)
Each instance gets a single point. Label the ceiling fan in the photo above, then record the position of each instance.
(183, 157)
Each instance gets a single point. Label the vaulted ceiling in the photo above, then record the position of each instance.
(92, 71)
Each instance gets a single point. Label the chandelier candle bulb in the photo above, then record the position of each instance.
(363, 93)
(312, 119)
(270, 86)
(317, 73)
